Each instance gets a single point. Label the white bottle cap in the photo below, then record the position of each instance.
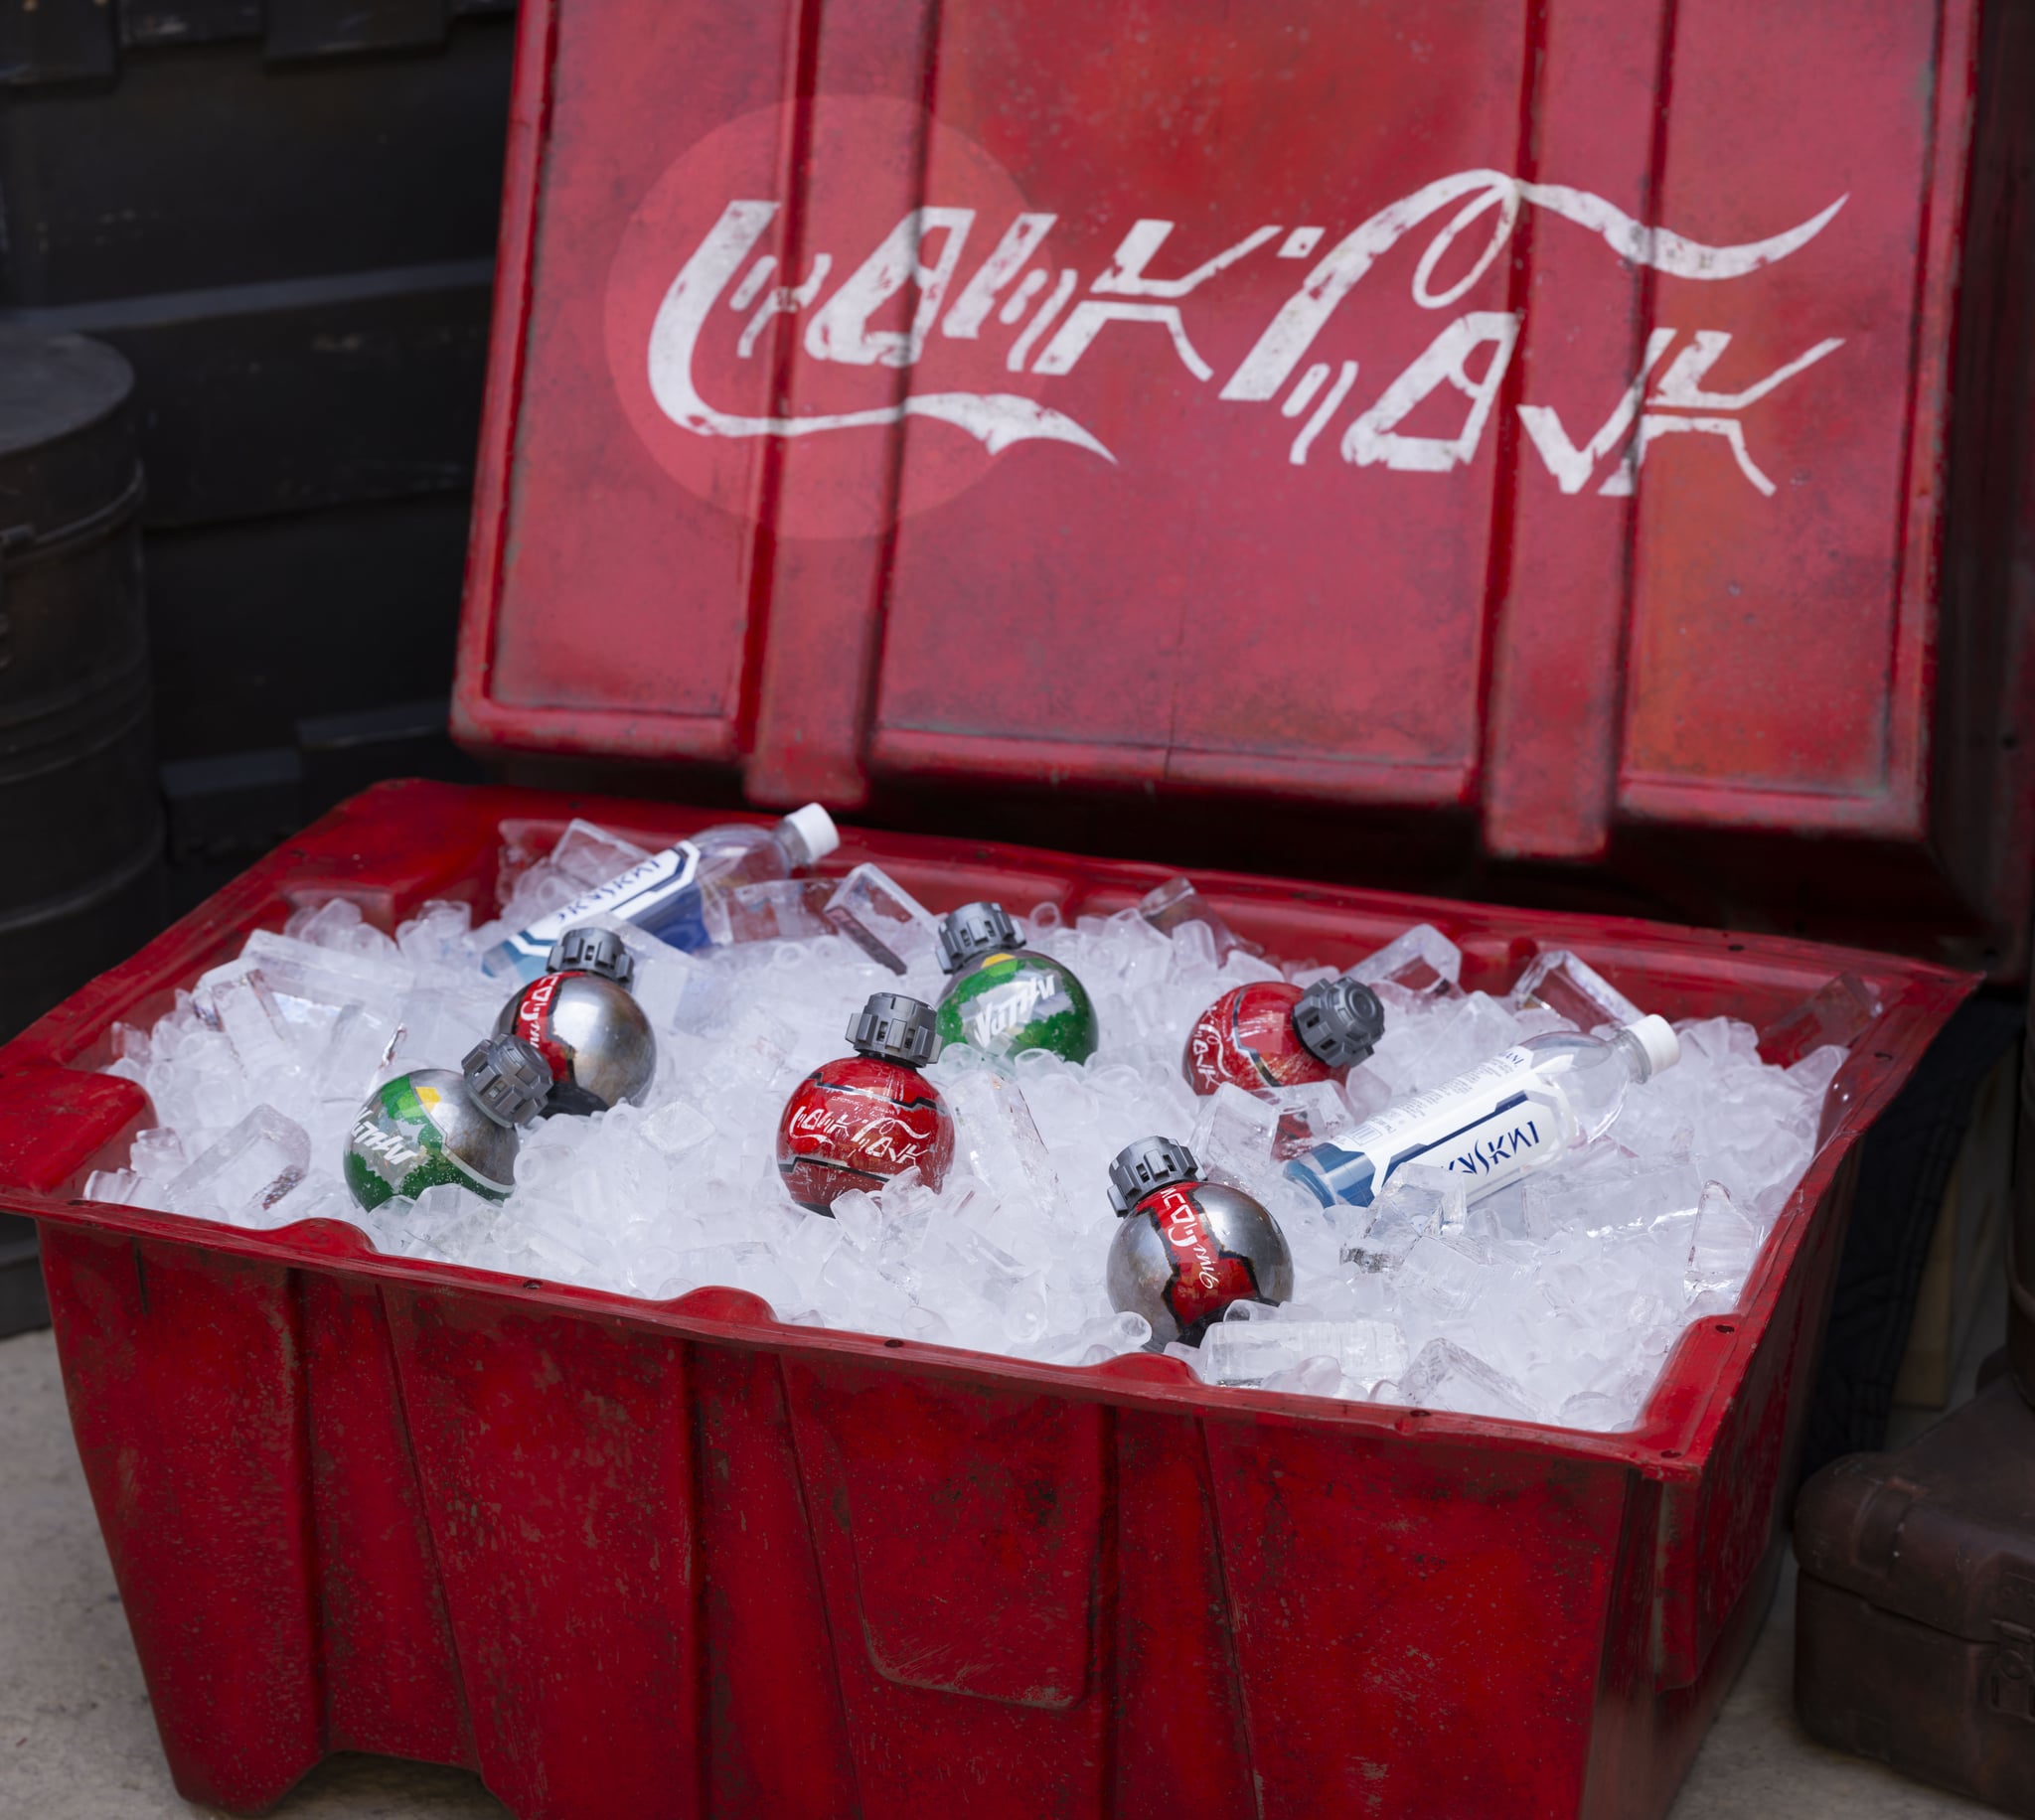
(815, 827)
(1657, 1040)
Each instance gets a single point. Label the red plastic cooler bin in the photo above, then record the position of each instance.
(634, 1560)
(1534, 420)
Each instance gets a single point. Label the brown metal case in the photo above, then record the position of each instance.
(1916, 1611)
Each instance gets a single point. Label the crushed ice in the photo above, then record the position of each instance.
(1556, 1300)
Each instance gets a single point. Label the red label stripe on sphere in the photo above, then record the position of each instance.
(534, 1025)
(1205, 1278)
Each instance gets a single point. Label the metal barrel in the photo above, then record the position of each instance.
(81, 815)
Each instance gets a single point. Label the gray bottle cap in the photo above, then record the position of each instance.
(508, 1078)
(898, 1028)
(1339, 1021)
(588, 949)
(974, 929)
(1150, 1162)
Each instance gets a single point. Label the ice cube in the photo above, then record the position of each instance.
(1249, 1351)
(1176, 906)
(1233, 1139)
(1440, 1282)
(996, 1136)
(1309, 1115)
(246, 1010)
(1415, 1202)
(1839, 1013)
(1721, 1250)
(1448, 1377)
(359, 1045)
(442, 1023)
(1611, 1193)
(531, 895)
(1014, 1292)
(1567, 984)
(330, 976)
(1461, 1034)
(1104, 1337)
(436, 936)
(1421, 960)
(156, 1154)
(883, 919)
(321, 1197)
(858, 1218)
(926, 1326)
(116, 1187)
(338, 926)
(807, 1247)
(1314, 1377)
(590, 855)
(676, 1127)
(450, 1217)
(247, 1172)
(751, 1267)
(778, 910)
(1594, 1411)
(1815, 1070)
(854, 1293)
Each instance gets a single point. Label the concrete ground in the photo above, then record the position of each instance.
(77, 1742)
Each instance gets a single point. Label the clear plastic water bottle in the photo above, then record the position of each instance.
(679, 895)
(1517, 1113)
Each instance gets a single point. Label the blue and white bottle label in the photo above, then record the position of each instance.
(1488, 1127)
(660, 895)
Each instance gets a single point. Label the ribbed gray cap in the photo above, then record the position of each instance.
(898, 1028)
(974, 929)
(589, 949)
(1339, 1021)
(1150, 1162)
(508, 1078)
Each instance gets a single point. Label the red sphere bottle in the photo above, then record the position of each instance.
(1269, 1034)
(857, 1122)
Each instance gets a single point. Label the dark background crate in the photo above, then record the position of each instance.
(283, 215)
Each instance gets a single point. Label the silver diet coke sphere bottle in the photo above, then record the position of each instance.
(1188, 1248)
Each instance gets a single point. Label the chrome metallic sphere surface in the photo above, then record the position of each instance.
(593, 1036)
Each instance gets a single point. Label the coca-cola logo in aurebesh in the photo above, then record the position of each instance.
(981, 321)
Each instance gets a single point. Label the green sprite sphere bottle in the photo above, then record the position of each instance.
(435, 1124)
(1004, 998)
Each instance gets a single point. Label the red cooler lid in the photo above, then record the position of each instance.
(1539, 412)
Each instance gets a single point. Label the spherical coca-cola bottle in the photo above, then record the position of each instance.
(857, 1122)
(1269, 1034)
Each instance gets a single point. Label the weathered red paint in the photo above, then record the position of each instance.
(634, 1560)
(1209, 609)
